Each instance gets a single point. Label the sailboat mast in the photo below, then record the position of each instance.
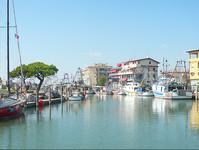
(8, 65)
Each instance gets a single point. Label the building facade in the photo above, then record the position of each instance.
(194, 66)
(144, 71)
(92, 74)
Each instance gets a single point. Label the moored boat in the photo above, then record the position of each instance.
(11, 108)
(167, 89)
(76, 96)
(90, 92)
(147, 93)
(132, 88)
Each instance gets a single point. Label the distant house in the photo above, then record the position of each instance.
(140, 70)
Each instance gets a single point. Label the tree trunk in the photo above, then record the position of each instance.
(38, 88)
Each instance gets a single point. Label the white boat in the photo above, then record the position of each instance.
(132, 88)
(103, 90)
(76, 96)
(148, 93)
(90, 92)
(167, 89)
(121, 92)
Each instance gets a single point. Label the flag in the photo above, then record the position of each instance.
(16, 36)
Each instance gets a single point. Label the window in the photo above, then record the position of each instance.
(149, 62)
(192, 65)
(192, 74)
(193, 56)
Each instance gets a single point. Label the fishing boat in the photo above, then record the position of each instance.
(132, 88)
(170, 90)
(145, 91)
(11, 107)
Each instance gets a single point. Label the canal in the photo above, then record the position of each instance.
(105, 122)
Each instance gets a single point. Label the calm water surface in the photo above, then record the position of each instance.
(106, 122)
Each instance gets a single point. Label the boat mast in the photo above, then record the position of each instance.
(17, 37)
(8, 65)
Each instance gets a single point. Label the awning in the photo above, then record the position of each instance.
(112, 71)
(119, 65)
(123, 79)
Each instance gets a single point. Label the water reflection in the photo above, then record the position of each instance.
(194, 116)
(168, 106)
(49, 109)
(107, 121)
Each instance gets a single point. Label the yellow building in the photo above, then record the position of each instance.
(194, 66)
(92, 74)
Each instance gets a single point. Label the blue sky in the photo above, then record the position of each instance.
(78, 33)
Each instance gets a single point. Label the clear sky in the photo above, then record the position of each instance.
(78, 33)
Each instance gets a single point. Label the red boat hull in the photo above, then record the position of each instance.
(13, 110)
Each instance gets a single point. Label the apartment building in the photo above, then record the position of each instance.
(92, 74)
(194, 66)
(141, 70)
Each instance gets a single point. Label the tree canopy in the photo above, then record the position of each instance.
(102, 81)
(16, 73)
(38, 70)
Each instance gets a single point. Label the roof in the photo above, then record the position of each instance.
(144, 59)
(139, 60)
(192, 51)
(99, 66)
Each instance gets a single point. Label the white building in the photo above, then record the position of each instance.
(144, 71)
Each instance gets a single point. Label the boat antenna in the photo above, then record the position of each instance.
(17, 37)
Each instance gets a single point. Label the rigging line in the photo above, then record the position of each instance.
(17, 37)
(1, 53)
(9, 26)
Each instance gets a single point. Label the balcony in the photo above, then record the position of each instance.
(114, 74)
(135, 65)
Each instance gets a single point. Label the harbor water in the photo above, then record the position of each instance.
(105, 122)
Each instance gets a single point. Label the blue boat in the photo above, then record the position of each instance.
(167, 88)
